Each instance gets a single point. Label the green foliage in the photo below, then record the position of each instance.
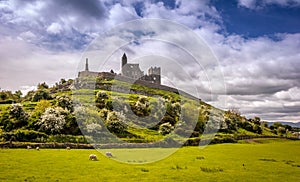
(279, 128)
(89, 120)
(28, 135)
(65, 102)
(18, 116)
(42, 86)
(141, 107)
(165, 128)
(116, 123)
(156, 113)
(7, 97)
(102, 100)
(41, 94)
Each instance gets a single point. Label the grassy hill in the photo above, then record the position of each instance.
(109, 111)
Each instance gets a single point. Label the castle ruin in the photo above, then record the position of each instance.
(133, 71)
(129, 70)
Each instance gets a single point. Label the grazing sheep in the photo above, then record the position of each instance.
(108, 154)
(68, 148)
(93, 157)
(28, 147)
(37, 148)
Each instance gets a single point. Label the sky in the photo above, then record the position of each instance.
(253, 44)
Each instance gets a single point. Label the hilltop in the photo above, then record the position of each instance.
(108, 110)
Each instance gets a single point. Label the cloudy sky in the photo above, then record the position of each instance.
(255, 43)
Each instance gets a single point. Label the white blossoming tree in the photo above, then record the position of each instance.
(52, 121)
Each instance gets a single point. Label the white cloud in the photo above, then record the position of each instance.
(247, 3)
(54, 28)
(258, 4)
(23, 64)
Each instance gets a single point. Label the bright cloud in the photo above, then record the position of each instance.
(258, 4)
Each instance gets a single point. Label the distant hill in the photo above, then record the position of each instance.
(294, 125)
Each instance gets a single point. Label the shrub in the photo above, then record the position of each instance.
(141, 107)
(65, 102)
(40, 95)
(115, 122)
(18, 116)
(102, 99)
(23, 135)
(165, 128)
(28, 135)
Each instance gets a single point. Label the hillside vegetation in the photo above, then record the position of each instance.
(113, 111)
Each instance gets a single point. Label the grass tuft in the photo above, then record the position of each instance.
(145, 170)
(211, 170)
(268, 160)
(200, 158)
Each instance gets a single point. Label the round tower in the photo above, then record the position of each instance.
(124, 59)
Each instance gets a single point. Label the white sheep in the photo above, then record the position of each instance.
(93, 157)
(28, 147)
(108, 154)
(68, 148)
(37, 148)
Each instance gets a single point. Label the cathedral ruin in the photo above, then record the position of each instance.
(128, 70)
(133, 71)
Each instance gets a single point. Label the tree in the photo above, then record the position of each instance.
(40, 95)
(93, 128)
(89, 120)
(39, 109)
(18, 115)
(101, 99)
(18, 94)
(3, 95)
(52, 121)
(115, 122)
(141, 107)
(65, 102)
(255, 120)
(42, 86)
(281, 130)
(165, 128)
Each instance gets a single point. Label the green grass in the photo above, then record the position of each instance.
(272, 160)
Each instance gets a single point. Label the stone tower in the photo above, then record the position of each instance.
(86, 64)
(124, 59)
(154, 75)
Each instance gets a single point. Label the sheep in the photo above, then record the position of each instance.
(28, 147)
(108, 154)
(37, 148)
(68, 148)
(93, 157)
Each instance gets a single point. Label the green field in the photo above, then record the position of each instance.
(267, 160)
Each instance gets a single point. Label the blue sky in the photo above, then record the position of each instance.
(257, 45)
(265, 21)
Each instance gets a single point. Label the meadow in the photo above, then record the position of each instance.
(253, 160)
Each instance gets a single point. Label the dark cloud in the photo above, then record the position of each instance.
(57, 8)
(90, 8)
(57, 25)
